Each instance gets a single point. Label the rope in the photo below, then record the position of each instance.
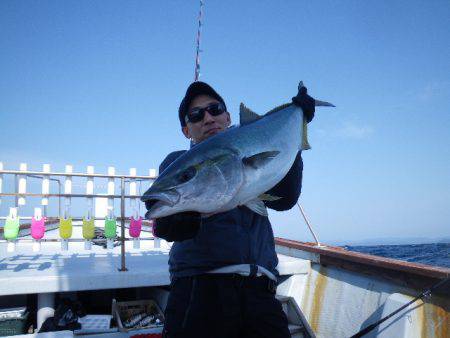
(197, 57)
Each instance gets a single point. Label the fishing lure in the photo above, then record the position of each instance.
(37, 228)
(65, 228)
(110, 228)
(11, 229)
(135, 227)
(88, 228)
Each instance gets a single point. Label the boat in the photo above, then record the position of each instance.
(326, 291)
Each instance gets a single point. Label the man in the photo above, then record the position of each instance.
(223, 267)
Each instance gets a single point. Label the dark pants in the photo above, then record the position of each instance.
(228, 306)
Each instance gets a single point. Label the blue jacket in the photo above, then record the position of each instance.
(237, 236)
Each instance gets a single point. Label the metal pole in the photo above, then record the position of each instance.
(308, 224)
(16, 191)
(28, 194)
(74, 218)
(28, 172)
(59, 198)
(122, 223)
(100, 240)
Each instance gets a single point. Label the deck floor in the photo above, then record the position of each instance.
(54, 270)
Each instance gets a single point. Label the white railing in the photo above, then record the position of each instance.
(12, 225)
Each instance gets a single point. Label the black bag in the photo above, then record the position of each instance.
(65, 318)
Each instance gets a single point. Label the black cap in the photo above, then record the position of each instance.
(195, 89)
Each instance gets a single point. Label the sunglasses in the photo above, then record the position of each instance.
(197, 114)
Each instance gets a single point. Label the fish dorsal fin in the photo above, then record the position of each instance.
(280, 107)
(247, 115)
(259, 160)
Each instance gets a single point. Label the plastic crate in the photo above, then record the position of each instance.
(13, 321)
(123, 310)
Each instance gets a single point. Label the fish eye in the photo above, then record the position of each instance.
(187, 175)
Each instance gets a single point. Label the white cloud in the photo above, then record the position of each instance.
(353, 131)
(434, 90)
(347, 130)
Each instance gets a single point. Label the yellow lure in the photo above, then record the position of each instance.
(88, 229)
(65, 228)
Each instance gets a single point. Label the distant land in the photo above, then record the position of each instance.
(392, 241)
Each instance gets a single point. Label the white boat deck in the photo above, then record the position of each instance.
(52, 270)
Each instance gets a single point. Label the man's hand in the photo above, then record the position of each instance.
(306, 102)
(178, 227)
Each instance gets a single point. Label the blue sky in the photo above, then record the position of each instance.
(99, 83)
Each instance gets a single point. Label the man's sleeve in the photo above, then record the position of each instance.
(169, 159)
(288, 188)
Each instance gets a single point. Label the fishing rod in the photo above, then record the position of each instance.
(424, 294)
(198, 50)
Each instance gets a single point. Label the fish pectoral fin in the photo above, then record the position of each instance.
(257, 206)
(259, 160)
(268, 197)
(247, 115)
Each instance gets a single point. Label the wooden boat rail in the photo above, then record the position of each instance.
(407, 274)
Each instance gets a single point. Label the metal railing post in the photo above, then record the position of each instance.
(16, 191)
(122, 223)
(59, 198)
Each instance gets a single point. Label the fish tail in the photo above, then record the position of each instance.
(305, 143)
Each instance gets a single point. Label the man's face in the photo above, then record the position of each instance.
(210, 125)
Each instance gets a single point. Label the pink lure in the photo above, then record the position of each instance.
(37, 228)
(135, 227)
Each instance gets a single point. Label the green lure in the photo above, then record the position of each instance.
(11, 229)
(110, 228)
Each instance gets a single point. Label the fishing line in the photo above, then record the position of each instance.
(424, 294)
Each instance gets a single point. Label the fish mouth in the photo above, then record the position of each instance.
(156, 200)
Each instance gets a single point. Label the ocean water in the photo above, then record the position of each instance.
(437, 254)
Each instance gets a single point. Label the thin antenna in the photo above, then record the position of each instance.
(197, 58)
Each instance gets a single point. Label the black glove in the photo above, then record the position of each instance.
(306, 102)
(178, 227)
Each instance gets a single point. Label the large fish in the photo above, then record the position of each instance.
(232, 168)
